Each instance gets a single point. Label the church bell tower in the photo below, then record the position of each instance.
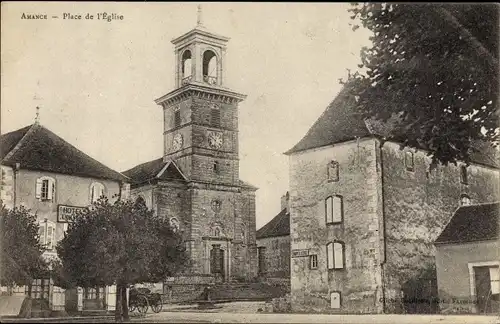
(200, 114)
(201, 139)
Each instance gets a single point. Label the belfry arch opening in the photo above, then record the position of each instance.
(209, 67)
(186, 65)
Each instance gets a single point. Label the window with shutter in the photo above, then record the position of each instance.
(215, 117)
(329, 210)
(177, 118)
(338, 250)
(335, 255)
(495, 281)
(41, 234)
(50, 237)
(47, 233)
(330, 256)
(45, 188)
(334, 209)
(38, 189)
(337, 208)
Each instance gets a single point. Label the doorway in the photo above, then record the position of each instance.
(487, 288)
(217, 261)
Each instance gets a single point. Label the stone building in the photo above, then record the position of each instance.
(53, 179)
(368, 212)
(468, 261)
(196, 182)
(273, 246)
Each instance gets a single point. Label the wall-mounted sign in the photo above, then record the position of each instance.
(300, 253)
(64, 212)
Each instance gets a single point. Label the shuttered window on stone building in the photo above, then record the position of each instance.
(335, 255)
(45, 188)
(177, 118)
(215, 116)
(47, 233)
(334, 210)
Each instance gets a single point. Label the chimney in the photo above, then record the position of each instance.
(285, 202)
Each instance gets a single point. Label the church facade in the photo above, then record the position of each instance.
(196, 184)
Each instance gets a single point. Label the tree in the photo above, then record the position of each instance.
(433, 69)
(122, 243)
(22, 251)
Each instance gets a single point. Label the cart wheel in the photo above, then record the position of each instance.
(142, 304)
(131, 308)
(157, 306)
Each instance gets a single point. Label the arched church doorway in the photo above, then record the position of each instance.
(217, 261)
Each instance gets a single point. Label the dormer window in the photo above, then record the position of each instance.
(96, 191)
(465, 200)
(45, 189)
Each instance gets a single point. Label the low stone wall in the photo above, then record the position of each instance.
(186, 288)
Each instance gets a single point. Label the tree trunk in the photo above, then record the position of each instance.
(124, 302)
(118, 304)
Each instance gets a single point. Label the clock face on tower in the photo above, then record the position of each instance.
(177, 142)
(215, 139)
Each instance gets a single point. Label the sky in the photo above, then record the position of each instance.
(96, 81)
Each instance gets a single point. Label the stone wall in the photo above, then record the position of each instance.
(277, 257)
(235, 221)
(359, 283)
(417, 206)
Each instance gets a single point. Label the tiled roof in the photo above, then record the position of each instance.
(278, 226)
(36, 148)
(247, 185)
(153, 170)
(342, 122)
(472, 223)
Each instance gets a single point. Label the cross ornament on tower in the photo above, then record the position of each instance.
(199, 20)
(37, 117)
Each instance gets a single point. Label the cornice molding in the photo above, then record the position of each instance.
(200, 90)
